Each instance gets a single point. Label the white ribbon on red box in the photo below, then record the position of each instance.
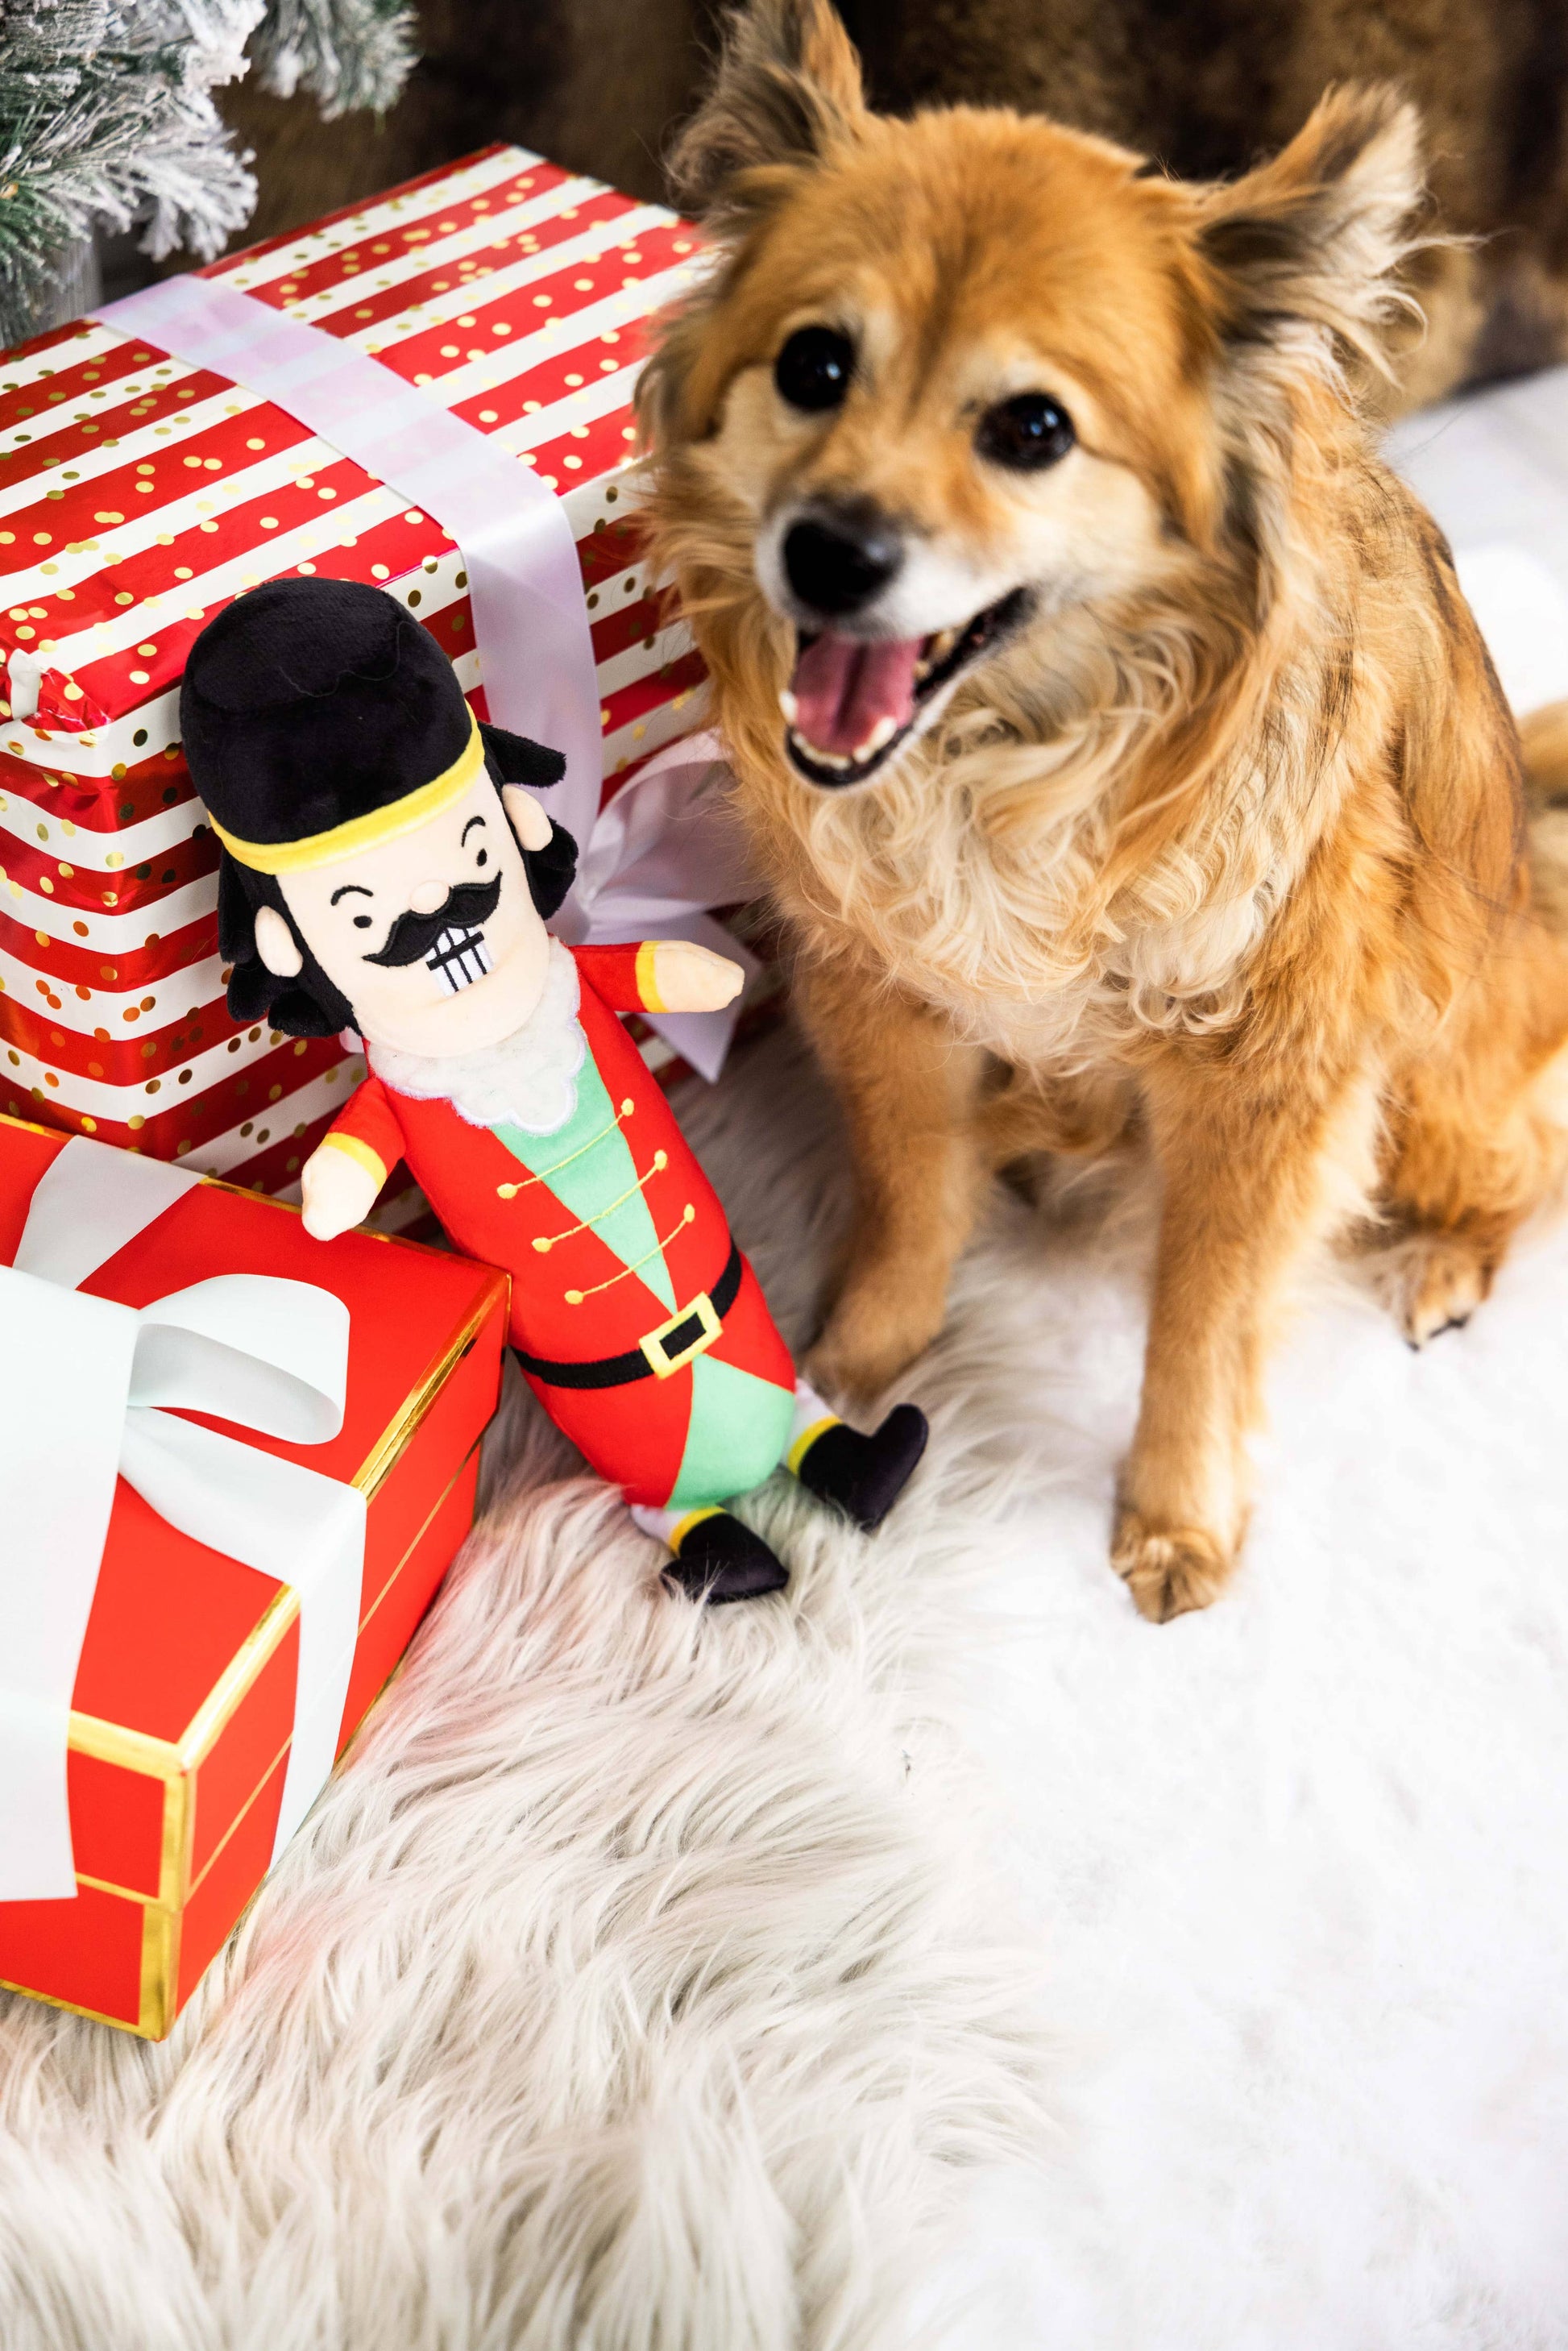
(86, 1385)
(530, 613)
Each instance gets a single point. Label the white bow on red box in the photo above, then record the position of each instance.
(92, 1390)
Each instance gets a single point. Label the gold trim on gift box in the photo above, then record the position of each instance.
(163, 1758)
(399, 1431)
(195, 1888)
(154, 1758)
(172, 1761)
(384, 1454)
(163, 1917)
(213, 1717)
(133, 1750)
(94, 2015)
(280, 1616)
(160, 1970)
(176, 1763)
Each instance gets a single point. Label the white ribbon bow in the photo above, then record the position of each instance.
(667, 848)
(84, 1387)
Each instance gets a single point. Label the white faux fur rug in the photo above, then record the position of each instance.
(1298, 1865)
(637, 1985)
(649, 1983)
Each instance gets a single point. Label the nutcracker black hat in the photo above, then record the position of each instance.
(320, 719)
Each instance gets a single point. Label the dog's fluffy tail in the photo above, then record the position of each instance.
(1544, 737)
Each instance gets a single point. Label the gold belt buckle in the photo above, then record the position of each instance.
(664, 1359)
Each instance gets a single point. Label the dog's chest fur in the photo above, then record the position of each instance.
(983, 884)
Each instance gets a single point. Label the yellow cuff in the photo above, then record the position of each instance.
(683, 1527)
(371, 1161)
(647, 990)
(806, 1440)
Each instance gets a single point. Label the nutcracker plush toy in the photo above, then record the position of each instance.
(385, 868)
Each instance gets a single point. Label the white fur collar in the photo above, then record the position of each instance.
(529, 1080)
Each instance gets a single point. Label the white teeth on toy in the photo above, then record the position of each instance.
(810, 752)
(883, 732)
(789, 705)
(458, 958)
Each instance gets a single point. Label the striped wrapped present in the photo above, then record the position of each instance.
(139, 494)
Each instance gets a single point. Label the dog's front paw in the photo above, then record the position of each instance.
(1168, 1569)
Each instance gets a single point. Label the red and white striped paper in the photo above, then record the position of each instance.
(137, 496)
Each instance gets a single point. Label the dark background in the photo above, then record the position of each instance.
(1206, 85)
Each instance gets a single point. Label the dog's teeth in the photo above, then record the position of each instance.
(883, 732)
(937, 648)
(790, 707)
(822, 758)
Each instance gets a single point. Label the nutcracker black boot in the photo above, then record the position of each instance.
(714, 1557)
(859, 1475)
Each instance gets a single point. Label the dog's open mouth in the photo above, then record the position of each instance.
(852, 703)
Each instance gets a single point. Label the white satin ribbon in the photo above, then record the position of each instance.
(663, 852)
(665, 849)
(530, 616)
(84, 1384)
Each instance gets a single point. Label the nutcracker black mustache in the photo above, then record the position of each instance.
(467, 908)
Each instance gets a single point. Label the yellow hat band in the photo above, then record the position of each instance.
(368, 831)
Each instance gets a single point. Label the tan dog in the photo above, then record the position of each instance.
(1109, 722)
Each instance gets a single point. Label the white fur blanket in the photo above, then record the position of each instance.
(944, 1956)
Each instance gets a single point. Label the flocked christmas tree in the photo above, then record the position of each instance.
(106, 117)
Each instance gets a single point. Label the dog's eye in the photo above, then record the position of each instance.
(361, 922)
(1027, 434)
(813, 368)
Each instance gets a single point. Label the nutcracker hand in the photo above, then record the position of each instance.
(689, 979)
(338, 1193)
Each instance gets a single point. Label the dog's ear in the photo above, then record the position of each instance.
(787, 89)
(1314, 239)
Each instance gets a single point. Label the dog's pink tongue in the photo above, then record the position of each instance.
(843, 690)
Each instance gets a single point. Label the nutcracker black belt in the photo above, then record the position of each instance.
(690, 1331)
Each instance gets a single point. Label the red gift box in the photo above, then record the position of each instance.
(138, 496)
(184, 1696)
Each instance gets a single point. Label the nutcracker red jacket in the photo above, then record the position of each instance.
(589, 1268)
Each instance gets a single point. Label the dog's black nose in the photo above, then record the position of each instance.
(837, 562)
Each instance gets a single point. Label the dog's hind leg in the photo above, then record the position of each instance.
(909, 1090)
(1078, 1117)
(1478, 1136)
